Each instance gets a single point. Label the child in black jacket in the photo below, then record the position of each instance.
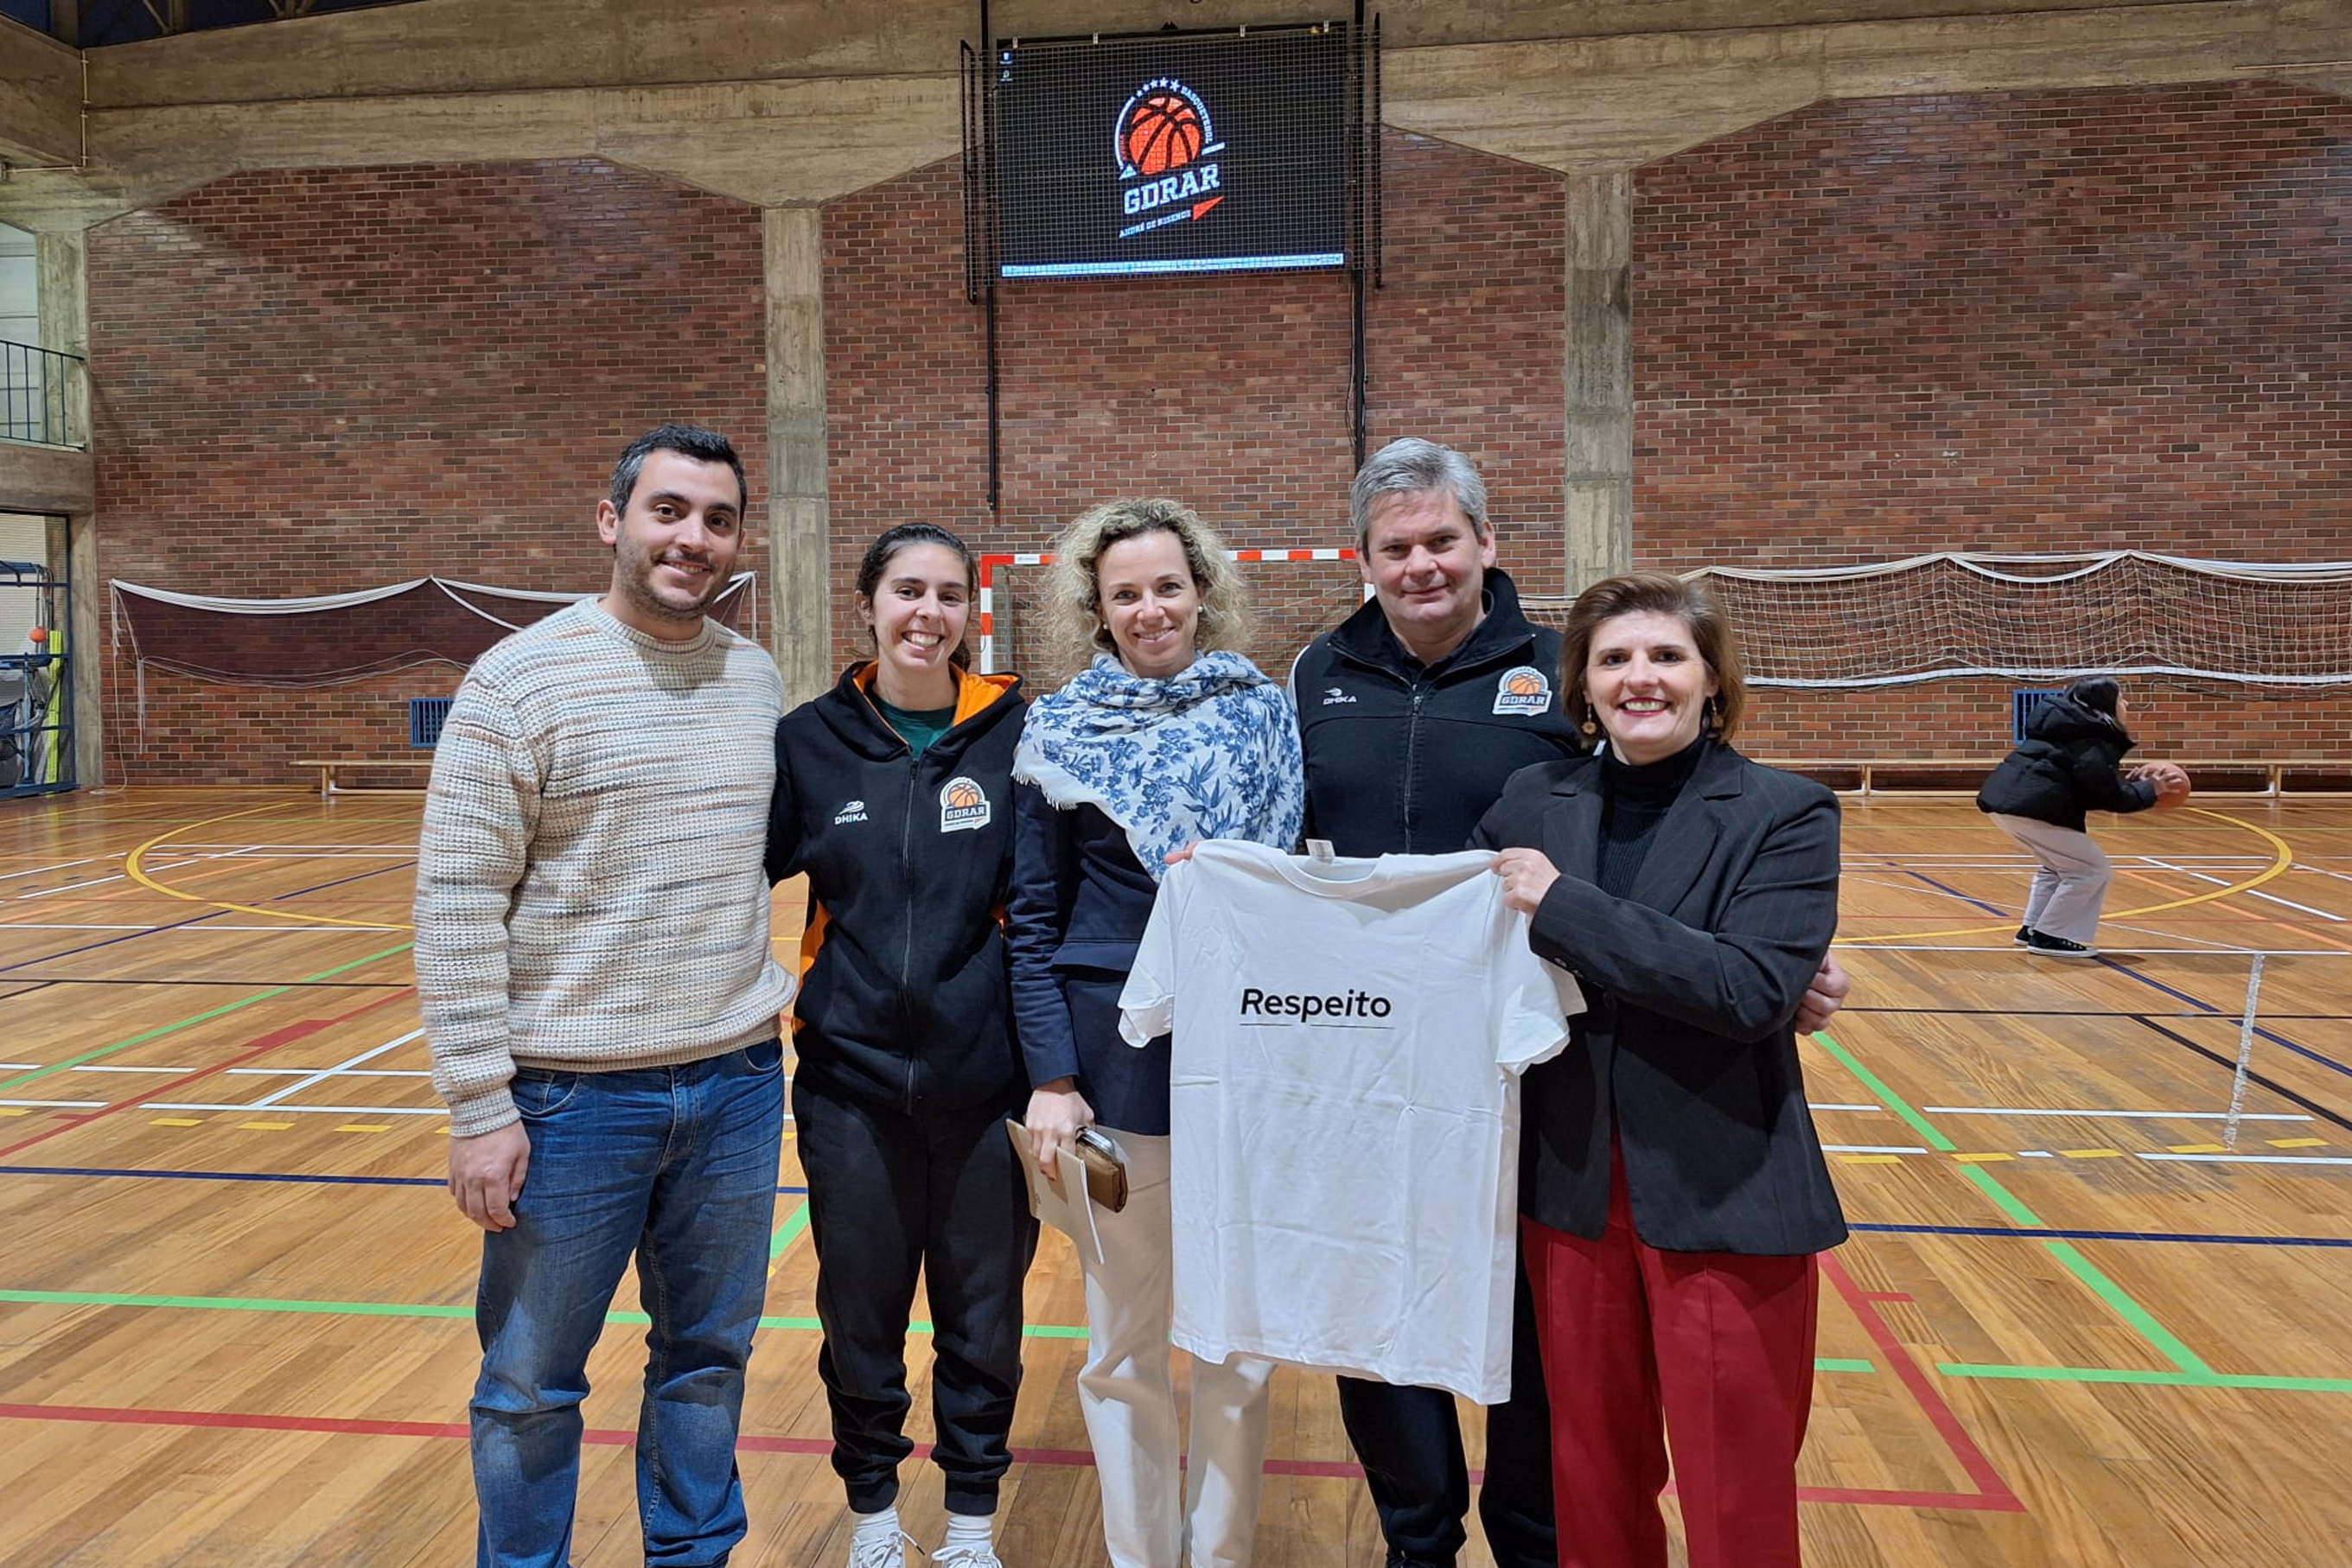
(2070, 763)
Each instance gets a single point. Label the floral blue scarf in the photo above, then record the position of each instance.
(1212, 752)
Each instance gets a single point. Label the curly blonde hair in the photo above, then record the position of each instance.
(1074, 589)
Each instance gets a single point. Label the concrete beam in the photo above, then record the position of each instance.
(767, 143)
(40, 98)
(1595, 105)
(804, 101)
(1599, 379)
(45, 480)
(799, 522)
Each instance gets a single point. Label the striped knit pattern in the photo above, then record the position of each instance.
(589, 889)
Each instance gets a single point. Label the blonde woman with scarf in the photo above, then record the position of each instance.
(1165, 736)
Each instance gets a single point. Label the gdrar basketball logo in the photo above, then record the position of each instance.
(963, 805)
(1164, 146)
(1524, 690)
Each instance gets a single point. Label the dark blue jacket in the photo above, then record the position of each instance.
(1080, 902)
(1403, 758)
(2069, 764)
(903, 999)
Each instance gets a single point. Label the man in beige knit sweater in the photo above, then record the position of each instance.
(598, 989)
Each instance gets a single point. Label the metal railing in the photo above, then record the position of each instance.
(40, 397)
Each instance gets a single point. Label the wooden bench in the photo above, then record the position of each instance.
(328, 770)
(2209, 775)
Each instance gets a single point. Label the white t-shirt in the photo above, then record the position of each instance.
(1345, 1106)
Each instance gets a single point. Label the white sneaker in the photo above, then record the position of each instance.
(968, 1554)
(881, 1552)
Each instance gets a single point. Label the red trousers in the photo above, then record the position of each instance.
(1719, 1342)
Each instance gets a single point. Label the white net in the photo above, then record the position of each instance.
(2036, 617)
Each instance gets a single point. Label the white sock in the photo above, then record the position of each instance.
(970, 1529)
(880, 1526)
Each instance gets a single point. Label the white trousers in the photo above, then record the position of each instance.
(2070, 886)
(1157, 1514)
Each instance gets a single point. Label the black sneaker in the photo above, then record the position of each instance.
(2024, 934)
(2049, 946)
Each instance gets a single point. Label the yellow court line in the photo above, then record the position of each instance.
(2282, 858)
(133, 868)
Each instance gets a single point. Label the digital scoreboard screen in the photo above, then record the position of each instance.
(1194, 153)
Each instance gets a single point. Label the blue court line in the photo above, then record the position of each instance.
(2192, 1237)
(176, 925)
(2292, 1097)
(2273, 1036)
(110, 941)
(256, 1176)
(2207, 1007)
(362, 877)
(1946, 887)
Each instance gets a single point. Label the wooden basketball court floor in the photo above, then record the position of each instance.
(2097, 1309)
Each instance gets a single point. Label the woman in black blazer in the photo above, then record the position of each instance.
(1673, 1194)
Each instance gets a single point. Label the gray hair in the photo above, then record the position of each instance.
(1409, 466)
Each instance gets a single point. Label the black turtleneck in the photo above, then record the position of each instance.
(1634, 799)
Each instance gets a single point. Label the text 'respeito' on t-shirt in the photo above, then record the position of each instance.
(1347, 1037)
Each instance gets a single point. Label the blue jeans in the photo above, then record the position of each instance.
(679, 1165)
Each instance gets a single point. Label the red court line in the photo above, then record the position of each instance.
(261, 1047)
(1992, 1493)
(602, 1436)
(1992, 1496)
(231, 1420)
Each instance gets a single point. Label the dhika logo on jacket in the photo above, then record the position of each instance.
(963, 804)
(1524, 690)
(1166, 152)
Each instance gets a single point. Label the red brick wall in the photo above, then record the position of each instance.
(2012, 322)
(307, 383)
(1229, 393)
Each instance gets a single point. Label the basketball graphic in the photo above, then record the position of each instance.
(1162, 132)
(963, 805)
(1525, 691)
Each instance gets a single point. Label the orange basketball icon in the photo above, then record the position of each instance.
(1524, 683)
(964, 794)
(1163, 131)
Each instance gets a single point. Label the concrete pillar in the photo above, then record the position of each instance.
(60, 264)
(1600, 378)
(800, 563)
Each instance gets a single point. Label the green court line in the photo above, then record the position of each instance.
(157, 1034)
(234, 1304)
(396, 1309)
(2157, 1379)
(789, 1231)
(2142, 1321)
(420, 1309)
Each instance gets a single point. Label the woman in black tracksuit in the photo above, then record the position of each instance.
(894, 795)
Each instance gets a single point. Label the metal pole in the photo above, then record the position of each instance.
(2245, 1056)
